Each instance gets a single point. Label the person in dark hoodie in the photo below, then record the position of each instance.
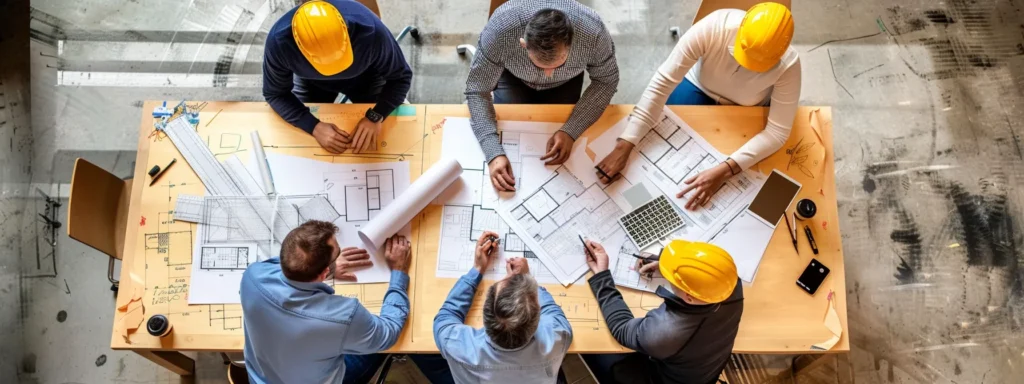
(689, 338)
(325, 47)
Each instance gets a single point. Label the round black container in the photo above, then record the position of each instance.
(158, 326)
(805, 209)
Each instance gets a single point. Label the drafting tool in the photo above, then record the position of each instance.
(810, 238)
(199, 157)
(160, 172)
(189, 208)
(261, 162)
(791, 231)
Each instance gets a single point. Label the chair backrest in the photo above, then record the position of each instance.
(372, 4)
(708, 6)
(98, 208)
(494, 5)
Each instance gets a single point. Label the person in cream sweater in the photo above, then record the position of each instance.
(730, 57)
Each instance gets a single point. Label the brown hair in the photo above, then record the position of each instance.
(511, 316)
(305, 252)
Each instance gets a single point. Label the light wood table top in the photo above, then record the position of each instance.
(778, 316)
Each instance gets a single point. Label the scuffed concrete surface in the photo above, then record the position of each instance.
(927, 103)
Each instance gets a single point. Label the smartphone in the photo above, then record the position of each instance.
(813, 276)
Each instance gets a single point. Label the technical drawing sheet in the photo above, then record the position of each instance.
(233, 232)
(672, 152)
(551, 218)
(357, 191)
(470, 202)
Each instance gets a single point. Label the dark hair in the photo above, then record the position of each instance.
(511, 316)
(305, 252)
(548, 32)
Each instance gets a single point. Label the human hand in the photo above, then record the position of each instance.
(501, 174)
(614, 162)
(365, 135)
(517, 265)
(351, 258)
(648, 269)
(486, 251)
(332, 138)
(597, 259)
(397, 253)
(704, 185)
(559, 147)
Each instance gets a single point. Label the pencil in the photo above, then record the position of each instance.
(791, 233)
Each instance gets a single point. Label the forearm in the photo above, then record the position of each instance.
(288, 106)
(617, 314)
(456, 306)
(395, 310)
(590, 107)
(396, 88)
(485, 125)
(785, 100)
(649, 108)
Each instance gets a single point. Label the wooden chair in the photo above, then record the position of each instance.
(98, 211)
(463, 48)
(708, 6)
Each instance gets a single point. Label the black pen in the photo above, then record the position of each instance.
(161, 173)
(810, 238)
(586, 249)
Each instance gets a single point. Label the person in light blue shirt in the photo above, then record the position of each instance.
(525, 334)
(298, 331)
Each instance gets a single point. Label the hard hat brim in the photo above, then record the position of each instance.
(749, 63)
(334, 67)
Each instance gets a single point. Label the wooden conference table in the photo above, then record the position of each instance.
(778, 317)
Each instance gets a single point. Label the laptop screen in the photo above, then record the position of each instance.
(774, 197)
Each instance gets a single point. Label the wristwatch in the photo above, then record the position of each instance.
(374, 116)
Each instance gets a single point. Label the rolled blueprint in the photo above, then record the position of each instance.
(261, 162)
(409, 204)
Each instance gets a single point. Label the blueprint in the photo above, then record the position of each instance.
(672, 152)
(470, 203)
(551, 218)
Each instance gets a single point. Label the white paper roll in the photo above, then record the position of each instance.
(409, 204)
(261, 162)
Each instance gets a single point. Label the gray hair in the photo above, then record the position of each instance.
(511, 315)
(547, 33)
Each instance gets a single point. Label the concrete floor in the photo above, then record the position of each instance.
(928, 107)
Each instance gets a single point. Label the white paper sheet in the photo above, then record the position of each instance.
(217, 271)
(745, 238)
(409, 204)
(359, 192)
(471, 202)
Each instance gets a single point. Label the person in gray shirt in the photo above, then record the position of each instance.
(689, 338)
(535, 52)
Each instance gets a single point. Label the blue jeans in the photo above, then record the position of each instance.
(434, 367)
(626, 368)
(360, 368)
(688, 94)
(511, 90)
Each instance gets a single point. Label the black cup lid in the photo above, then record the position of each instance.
(806, 208)
(157, 325)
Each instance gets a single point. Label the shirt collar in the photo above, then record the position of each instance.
(311, 286)
(677, 303)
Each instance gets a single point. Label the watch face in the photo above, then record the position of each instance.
(373, 116)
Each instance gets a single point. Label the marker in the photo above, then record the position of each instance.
(162, 171)
(810, 238)
(642, 261)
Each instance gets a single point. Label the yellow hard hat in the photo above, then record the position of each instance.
(322, 37)
(702, 270)
(764, 36)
